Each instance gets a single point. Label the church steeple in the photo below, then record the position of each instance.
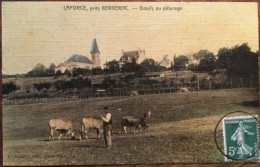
(94, 48)
(95, 54)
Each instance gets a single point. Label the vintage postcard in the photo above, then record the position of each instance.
(101, 83)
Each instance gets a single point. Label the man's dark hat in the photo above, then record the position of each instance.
(105, 108)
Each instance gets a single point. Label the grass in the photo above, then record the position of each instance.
(181, 129)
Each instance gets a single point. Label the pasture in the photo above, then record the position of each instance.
(181, 129)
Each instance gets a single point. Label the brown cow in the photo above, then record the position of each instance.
(137, 123)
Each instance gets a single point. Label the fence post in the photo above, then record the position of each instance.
(220, 83)
(251, 85)
(198, 84)
(231, 86)
(241, 82)
(209, 84)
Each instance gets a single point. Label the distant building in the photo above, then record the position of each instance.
(166, 62)
(128, 57)
(80, 61)
(74, 61)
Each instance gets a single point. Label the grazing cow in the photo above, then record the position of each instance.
(134, 93)
(91, 123)
(61, 127)
(130, 121)
(183, 89)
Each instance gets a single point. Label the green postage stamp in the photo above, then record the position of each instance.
(241, 138)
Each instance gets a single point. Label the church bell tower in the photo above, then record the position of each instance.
(95, 54)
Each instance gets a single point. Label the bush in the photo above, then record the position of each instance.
(108, 83)
(96, 71)
(78, 83)
(40, 86)
(9, 87)
(80, 71)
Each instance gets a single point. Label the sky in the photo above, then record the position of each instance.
(43, 32)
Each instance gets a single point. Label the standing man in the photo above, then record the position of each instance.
(107, 125)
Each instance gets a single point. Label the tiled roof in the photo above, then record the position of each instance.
(79, 58)
(94, 47)
(132, 54)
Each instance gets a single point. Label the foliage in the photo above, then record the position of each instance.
(112, 66)
(9, 87)
(66, 72)
(41, 71)
(148, 82)
(180, 63)
(148, 65)
(224, 58)
(159, 68)
(108, 82)
(78, 83)
(38, 71)
(96, 71)
(207, 60)
(140, 71)
(129, 67)
(40, 86)
(238, 60)
(80, 71)
(58, 73)
(51, 70)
(193, 78)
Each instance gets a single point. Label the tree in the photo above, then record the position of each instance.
(113, 66)
(244, 62)
(80, 71)
(38, 71)
(129, 67)
(180, 63)
(51, 70)
(108, 82)
(207, 60)
(67, 73)
(58, 73)
(224, 58)
(96, 71)
(148, 65)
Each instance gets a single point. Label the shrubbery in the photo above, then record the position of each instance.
(40, 86)
(9, 87)
(78, 83)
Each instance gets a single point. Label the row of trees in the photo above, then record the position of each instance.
(41, 71)
(237, 61)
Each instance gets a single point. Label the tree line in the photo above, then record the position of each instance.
(238, 61)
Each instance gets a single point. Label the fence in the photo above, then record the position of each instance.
(200, 84)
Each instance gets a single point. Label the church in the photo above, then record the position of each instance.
(80, 61)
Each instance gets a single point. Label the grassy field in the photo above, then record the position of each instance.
(181, 129)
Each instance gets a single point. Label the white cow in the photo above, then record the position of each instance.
(91, 123)
(62, 127)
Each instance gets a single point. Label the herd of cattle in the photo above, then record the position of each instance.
(63, 127)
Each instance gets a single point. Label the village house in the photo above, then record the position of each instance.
(128, 57)
(165, 62)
